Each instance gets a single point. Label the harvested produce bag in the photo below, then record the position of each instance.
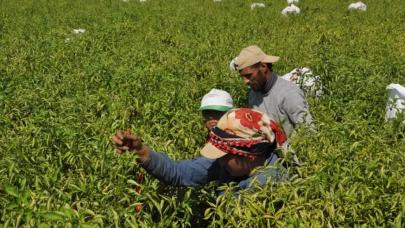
(396, 101)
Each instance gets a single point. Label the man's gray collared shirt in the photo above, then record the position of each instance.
(284, 102)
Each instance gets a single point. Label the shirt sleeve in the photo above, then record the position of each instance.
(181, 173)
(270, 172)
(296, 108)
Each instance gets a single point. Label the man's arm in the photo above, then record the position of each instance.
(296, 108)
(181, 173)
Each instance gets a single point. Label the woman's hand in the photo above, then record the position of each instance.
(126, 141)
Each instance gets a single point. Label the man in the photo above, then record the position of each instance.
(281, 100)
(214, 105)
(241, 148)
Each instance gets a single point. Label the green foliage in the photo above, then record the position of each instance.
(146, 66)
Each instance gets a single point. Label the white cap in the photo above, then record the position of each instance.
(218, 100)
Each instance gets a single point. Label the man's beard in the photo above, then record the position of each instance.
(263, 80)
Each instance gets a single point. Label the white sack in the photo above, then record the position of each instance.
(306, 80)
(79, 30)
(358, 6)
(292, 1)
(232, 66)
(396, 101)
(293, 9)
(257, 5)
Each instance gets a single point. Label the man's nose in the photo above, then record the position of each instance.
(246, 81)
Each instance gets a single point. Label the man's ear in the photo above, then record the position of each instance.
(263, 67)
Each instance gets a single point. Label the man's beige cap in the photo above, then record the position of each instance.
(252, 55)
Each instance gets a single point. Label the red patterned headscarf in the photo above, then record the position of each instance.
(243, 132)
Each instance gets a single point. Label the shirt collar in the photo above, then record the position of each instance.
(270, 83)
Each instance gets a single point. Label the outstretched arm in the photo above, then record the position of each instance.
(181, 173)
(178, 173)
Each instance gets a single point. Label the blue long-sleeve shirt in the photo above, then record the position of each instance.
(202, 170)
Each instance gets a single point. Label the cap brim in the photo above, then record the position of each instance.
(211, 152)
(266, 59)
(270, 59)
(220, 108)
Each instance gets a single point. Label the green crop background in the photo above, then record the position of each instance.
(145, 66)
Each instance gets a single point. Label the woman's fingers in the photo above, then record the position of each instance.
(117, 140)
(123, 148)
(124, 140)
(118, 151)
(132, 137)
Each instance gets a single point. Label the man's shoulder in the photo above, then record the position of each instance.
(285, 88)
(283, 84)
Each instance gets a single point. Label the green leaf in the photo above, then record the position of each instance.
(11, 190)
(52, 216)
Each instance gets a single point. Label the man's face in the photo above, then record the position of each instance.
(254, 76)
(211, 117)
(237, 166)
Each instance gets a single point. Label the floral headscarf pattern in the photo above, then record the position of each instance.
(243, 132)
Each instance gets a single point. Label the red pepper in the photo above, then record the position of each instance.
(138, 207)
(140, 178)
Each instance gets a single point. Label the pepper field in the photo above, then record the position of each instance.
(146, 65)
